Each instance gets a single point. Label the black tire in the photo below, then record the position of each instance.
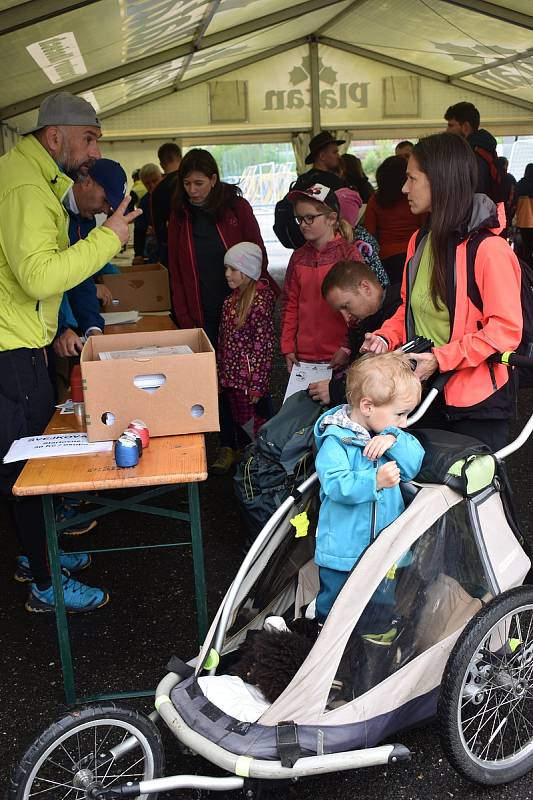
(65, 753)
(485, 707)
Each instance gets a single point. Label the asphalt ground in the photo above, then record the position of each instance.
(126, 645)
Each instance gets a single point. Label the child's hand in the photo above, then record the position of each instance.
(378, 445)
(388, 476)
(290, 360)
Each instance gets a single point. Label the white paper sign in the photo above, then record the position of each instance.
(303, 374)
(56, 444)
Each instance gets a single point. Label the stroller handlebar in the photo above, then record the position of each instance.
(510, 359)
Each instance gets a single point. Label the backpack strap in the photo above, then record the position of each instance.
(488, 157)
(472, 289)
(287, 742)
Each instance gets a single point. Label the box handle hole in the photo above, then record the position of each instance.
(108, 418)
(197, 410)
(150, 383)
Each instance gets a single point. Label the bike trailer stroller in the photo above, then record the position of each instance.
(393, 651)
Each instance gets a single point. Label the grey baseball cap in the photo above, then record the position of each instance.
(64, 108)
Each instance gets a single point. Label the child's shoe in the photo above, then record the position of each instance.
(70, 562)
(70, 509)
(226, 458)
(78, 597)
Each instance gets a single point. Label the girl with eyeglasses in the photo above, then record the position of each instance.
(311, 331)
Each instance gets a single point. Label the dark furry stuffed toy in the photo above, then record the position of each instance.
(271, 659)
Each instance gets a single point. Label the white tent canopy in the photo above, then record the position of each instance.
(265, 70)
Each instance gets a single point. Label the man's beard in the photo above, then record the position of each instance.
(66, 161)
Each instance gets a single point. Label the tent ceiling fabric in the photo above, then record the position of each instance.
(131, 57)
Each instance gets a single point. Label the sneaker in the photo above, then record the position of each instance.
(78, 597)
(70, 562)
(226, 458)
(77, 530)
(70, 509)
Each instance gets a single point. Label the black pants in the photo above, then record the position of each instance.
(26, 406)
(492, 432)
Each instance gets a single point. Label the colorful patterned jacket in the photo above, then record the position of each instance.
(245, 354)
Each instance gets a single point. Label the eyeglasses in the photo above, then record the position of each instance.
(308, 218)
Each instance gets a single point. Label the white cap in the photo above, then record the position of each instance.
(247, 257)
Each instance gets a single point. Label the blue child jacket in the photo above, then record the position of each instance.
(348, 489)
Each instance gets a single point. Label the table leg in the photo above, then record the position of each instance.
(61, 615)
(198, 559)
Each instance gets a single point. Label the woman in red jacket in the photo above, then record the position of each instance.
(439, 301)
(208, 218)
(389, 218)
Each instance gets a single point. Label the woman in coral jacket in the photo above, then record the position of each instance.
(208, 218)
(438, 303)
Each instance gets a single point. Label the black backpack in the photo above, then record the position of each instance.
(285, 226)
(277, 462)
(526, 298)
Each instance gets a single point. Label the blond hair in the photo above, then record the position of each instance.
(382, 378)
(342, 226)
(244, 303)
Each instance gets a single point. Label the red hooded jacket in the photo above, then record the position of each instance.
(237, 224)
(310, 327)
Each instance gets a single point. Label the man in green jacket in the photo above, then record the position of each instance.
(36, 267)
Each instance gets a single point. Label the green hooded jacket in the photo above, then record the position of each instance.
(36, 263)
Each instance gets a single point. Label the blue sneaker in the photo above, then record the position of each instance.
(70, 509)
(70, 562)
(78, 597)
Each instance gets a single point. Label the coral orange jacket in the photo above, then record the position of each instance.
(475, 335)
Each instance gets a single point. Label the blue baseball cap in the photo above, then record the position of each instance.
(112, 178)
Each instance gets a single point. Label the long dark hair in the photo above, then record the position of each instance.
(221, 195)
(450, 165)
(390, 177)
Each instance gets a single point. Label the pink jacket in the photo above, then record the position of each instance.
(310, 327)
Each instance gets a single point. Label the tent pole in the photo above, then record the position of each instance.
(315, 86)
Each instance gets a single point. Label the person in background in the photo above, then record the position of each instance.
(169, 155)
(389, 218)
(354, 176)
(138, 189)
(524, 214)
(350, 205)
(310, 330)
(436, 303)
(353, 289)
(463, 120)
(246, 340)
(209, 216)
(37, 266)
(363, 454)
(404, 149)
(510, 194)
(100, 192)
(144, 239)
(324, 159)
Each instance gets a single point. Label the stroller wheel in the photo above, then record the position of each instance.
(80, 753)
(486, 701)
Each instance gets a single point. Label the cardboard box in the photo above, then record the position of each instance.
(139, 288)
(186, 402)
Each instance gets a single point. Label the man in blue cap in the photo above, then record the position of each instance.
(100, 192)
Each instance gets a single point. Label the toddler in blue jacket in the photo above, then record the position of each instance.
(363, 454)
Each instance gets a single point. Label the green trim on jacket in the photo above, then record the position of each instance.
(36, 263)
